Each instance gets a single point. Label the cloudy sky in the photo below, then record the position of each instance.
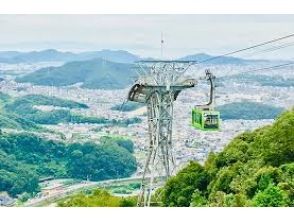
(140, 34)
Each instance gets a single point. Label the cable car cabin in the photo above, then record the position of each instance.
(205, 119)
(203, 116)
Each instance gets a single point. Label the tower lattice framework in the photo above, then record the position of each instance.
(158, 87)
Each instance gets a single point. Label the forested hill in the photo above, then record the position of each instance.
(255, 169)
(94, 74)
(25, 158)
(248, 111)
(21, 113)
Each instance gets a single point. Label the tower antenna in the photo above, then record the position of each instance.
(161, 46)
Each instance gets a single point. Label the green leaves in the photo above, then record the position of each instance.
(179, 189)
(272, 196)
(278, 142)
(97, 198)
(98, 162)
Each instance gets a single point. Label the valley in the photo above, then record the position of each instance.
(82, 111)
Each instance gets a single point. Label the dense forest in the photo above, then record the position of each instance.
(248, 111)
(25, 158)
(11, 120)
(255, 169)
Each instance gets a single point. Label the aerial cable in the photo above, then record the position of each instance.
(268, 68)
(247, 48)
(271, 49)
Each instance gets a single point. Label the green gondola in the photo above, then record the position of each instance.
(204, 117)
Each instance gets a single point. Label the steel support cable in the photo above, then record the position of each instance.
(247, 48)
(271, 49)
(266, 68)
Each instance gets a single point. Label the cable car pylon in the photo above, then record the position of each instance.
(158, 87)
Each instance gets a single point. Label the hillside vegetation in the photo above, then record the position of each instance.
(97, 198)
(94, 74)
(248, 111)
(255, 169)
(11, 120)
(25, 158)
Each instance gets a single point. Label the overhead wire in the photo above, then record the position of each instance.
(271, 49)
(268, 68)
(274, 48)
(247, 48)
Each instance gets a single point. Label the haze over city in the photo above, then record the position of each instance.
(140, 34)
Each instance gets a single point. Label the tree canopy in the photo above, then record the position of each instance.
(25, 158)
(97, 198)
(254, 169)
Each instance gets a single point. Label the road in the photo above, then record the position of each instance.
(34, 202)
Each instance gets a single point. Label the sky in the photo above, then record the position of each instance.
(140, 34)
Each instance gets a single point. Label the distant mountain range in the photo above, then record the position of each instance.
(220, 60)
(95, 74)
(113, 70)
(119, 56)
(105, 69)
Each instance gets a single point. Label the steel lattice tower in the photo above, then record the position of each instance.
(158, 87)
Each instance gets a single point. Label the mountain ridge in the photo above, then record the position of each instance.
(100, 73)
(120, 56)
